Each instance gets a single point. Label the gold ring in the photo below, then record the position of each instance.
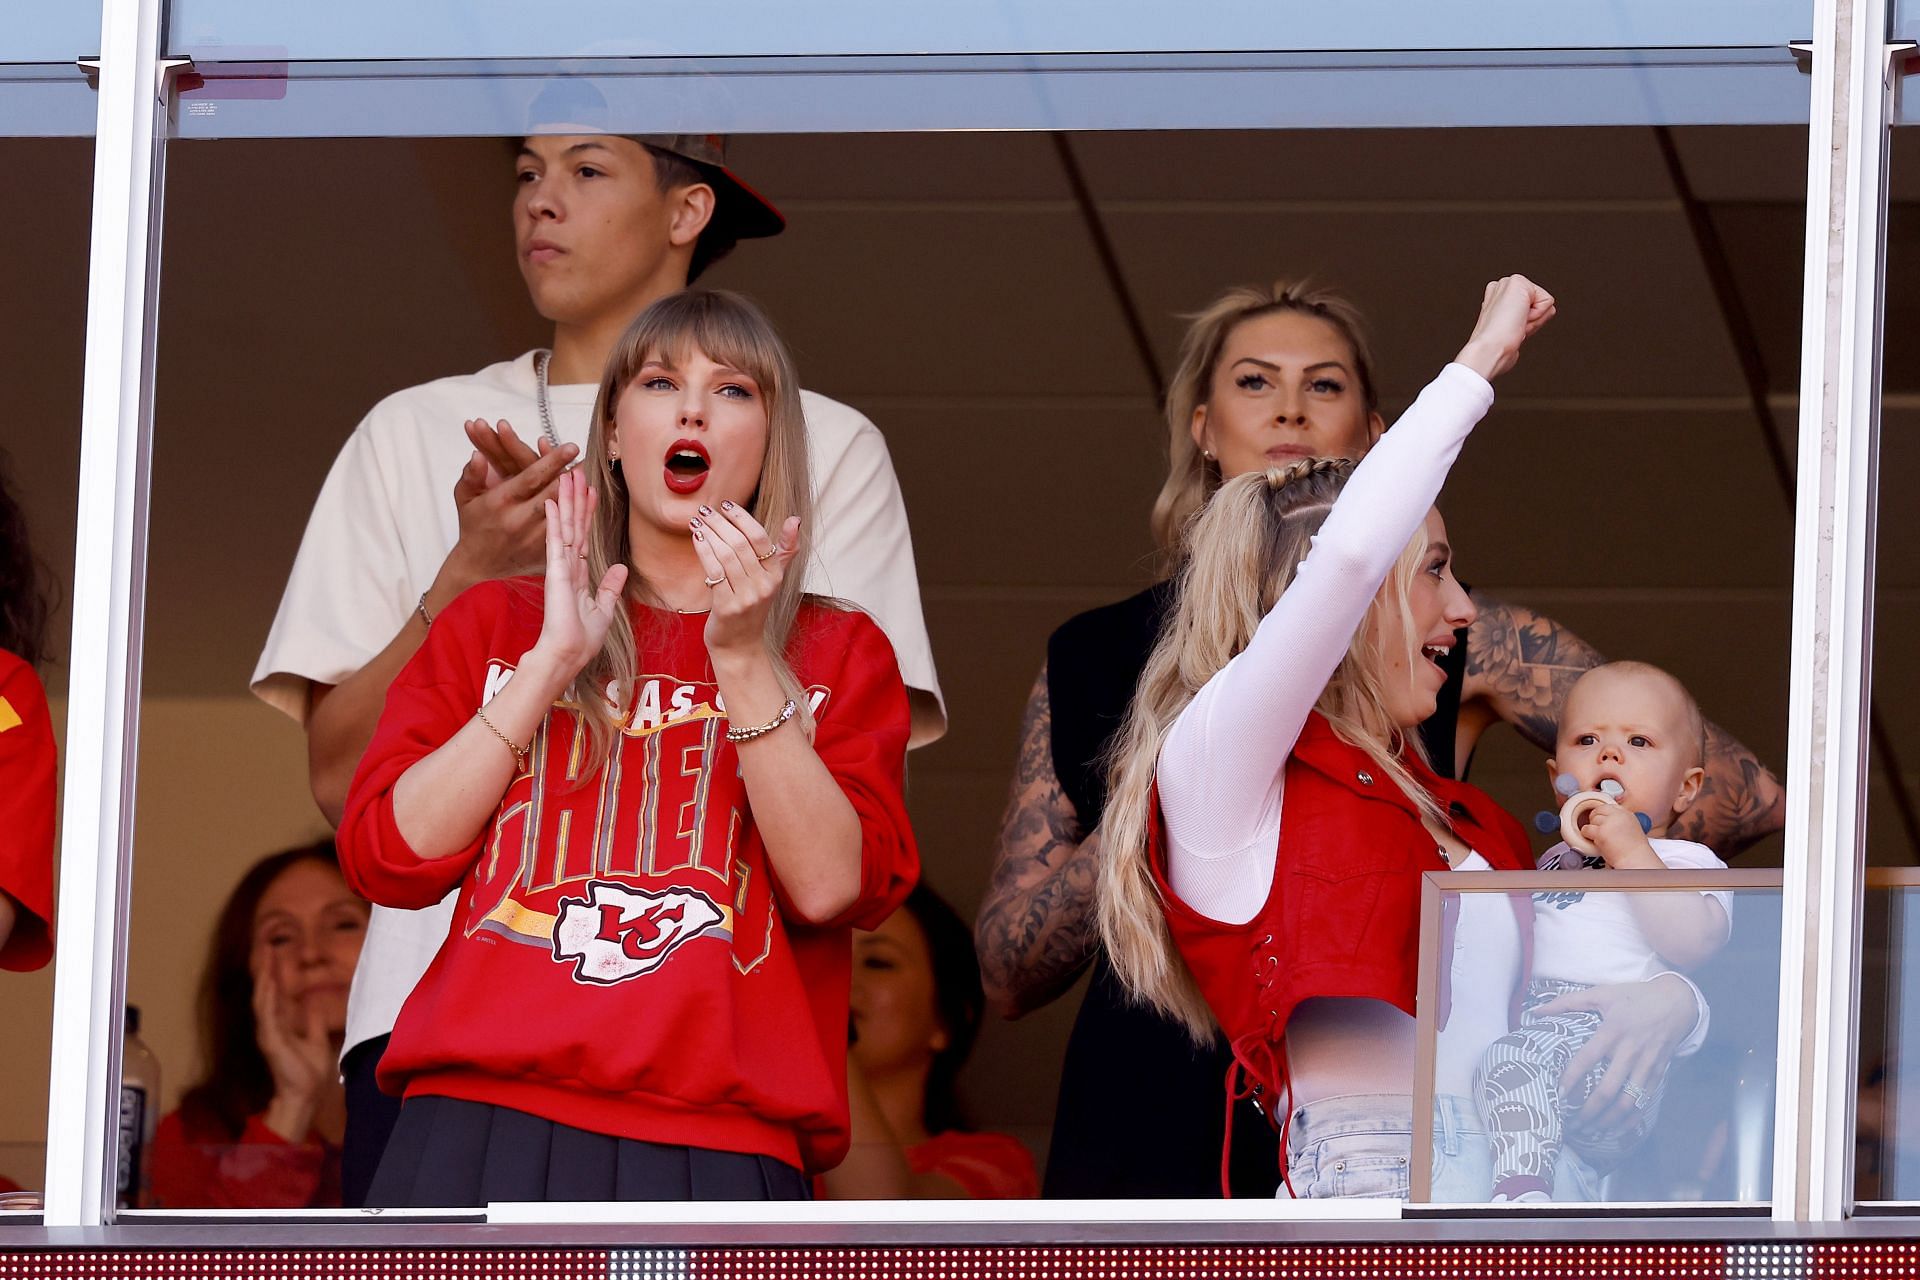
(714, 582)
(770, 555)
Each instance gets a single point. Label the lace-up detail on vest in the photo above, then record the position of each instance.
(1260, 1055)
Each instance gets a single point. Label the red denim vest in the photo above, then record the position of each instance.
(1343, 915)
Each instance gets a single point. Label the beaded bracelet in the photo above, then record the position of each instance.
(426, 615)
(761, 730)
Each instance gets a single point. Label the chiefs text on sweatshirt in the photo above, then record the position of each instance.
(620, 960)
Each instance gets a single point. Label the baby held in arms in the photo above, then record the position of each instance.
(1631, 734)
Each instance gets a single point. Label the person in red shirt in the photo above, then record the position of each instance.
(27, 762)
(666, 785)
(916, 1011)
(261, 1129)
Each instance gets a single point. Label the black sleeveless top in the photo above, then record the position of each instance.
(1141, 1110)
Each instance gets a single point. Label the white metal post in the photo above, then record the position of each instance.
(1832, 610)
(108, 589)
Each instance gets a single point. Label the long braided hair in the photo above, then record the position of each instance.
(1243, 549)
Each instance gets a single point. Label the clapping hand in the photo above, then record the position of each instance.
(745, 567)
(299, 1049)
(578, 612)
(500, 496)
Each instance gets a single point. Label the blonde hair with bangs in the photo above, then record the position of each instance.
(1243, 550)
(729, 330)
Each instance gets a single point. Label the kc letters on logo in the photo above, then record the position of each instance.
(616, 932)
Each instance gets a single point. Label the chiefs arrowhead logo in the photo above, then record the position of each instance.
(616, 933)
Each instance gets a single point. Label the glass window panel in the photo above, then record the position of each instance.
(1886, 1159)
(41, 354)
(42, 92)
(45, 100)
(262, 95)
(51, 31)
(1904, 20)
(601, 28)
(309, 278)
(1697, 1128)
(1887, 1151)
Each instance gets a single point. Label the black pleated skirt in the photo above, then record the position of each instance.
(447, 1154)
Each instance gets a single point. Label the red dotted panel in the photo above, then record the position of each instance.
(1792, 1260)
(1280, 1262)
(308, 1264)
(1864, 1260)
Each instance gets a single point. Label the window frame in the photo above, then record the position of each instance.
(1852, 97)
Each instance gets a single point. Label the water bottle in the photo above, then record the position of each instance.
(139, 1113)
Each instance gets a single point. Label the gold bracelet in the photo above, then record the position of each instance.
(426, 615)
(519, 753)
(761, 730)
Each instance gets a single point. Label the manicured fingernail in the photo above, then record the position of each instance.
(699, 536)
(694, 523)
(706, 511)
(726, 505)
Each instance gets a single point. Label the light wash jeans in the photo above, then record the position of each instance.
(1359, 1146)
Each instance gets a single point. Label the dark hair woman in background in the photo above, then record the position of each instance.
(915, 1012)
(261, 1130)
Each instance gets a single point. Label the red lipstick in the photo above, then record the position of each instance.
(686, 466)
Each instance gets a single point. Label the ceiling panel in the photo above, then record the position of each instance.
(1897, 554)
(990, 649)
(1745, 163)
(969, 168)
(1390, 165)
(1637, 316)
(1619, 498)
(1058, 491)
(935, 302)
(1730, 650)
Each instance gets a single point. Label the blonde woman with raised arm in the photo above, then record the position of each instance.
(1268, 374)
(1271, 811)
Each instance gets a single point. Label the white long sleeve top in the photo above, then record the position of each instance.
(1221, 768)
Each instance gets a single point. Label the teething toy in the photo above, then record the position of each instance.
(1574, 812)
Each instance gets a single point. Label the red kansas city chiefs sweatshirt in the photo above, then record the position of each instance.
(620, 959)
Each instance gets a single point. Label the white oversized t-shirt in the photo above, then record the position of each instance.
(385, 520)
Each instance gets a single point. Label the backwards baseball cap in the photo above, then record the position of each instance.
(576, 105)
(744, 213)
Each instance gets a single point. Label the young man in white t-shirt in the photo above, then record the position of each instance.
(435, 491)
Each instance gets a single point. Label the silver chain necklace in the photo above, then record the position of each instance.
(540, 359)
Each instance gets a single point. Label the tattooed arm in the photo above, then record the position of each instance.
(1520, 666)
(1036, 932)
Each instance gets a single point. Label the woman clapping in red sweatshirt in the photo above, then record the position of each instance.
(667, 785)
